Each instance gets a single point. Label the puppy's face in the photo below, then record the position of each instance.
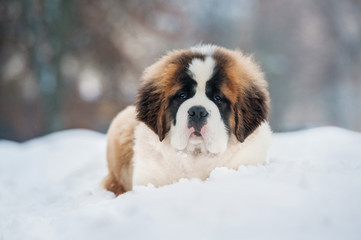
(202, 96)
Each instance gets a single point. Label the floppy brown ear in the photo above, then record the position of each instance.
(151, 106)
(251, 109)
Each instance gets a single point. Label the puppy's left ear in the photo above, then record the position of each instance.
(151, 109)
(251, 109)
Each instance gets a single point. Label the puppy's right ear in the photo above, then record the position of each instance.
(151, 106)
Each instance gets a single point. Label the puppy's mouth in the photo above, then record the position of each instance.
(196, 137)
(197, 134)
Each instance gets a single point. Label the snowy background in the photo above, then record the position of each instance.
(311, 189)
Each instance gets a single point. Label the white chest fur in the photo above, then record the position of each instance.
(158, 163)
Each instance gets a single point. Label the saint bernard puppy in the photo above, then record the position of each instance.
(196, 110)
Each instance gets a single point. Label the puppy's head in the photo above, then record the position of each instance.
(200, 97)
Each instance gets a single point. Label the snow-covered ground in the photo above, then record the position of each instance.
(311, 189)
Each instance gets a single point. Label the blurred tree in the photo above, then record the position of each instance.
(48, 24)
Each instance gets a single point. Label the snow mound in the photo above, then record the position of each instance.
(311, 189)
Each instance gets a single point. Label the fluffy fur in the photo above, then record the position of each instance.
(196, 110)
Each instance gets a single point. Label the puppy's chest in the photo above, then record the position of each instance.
(158, 163)
(164, 168)
(195, 166)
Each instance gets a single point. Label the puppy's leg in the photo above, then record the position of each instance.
(111, 184)
(120, 142)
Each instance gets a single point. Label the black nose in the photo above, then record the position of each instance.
(197, 118)
(197, 112)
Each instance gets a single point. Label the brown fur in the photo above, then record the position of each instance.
(244, 87)
(120, 142)
(161, 80)
(247, 91)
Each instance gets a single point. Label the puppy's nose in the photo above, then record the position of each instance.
(197, 118)
(197, 113)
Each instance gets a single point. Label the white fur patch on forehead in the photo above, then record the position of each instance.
(207, 49)
(201, 71)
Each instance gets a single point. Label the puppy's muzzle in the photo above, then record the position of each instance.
(197, 118)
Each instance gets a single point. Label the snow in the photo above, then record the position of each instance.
(311, 189)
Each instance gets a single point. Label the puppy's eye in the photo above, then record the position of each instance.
(182, 95)
(217, 98)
